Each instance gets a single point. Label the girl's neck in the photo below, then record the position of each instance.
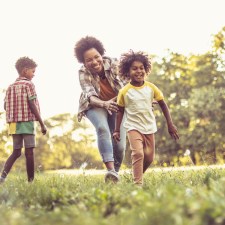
(137, 84)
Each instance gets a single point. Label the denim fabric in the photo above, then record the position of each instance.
(104, 124)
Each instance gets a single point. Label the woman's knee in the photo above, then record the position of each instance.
(102, 130)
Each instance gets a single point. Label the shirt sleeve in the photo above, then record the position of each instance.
(6, 95)
(120, 99)
(31, 93)
(86, 85)
(158, 95)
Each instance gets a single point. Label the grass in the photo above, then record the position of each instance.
(167, 198)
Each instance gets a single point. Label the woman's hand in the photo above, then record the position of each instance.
(80, 115)
(110, 106)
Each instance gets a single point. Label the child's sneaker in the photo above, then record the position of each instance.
(112, 176)
(2, 180)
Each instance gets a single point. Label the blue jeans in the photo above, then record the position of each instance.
(104, 124)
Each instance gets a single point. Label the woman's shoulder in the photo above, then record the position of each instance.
(82, 69)
(110, 60)
(111, 64)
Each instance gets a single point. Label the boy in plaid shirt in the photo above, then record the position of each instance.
(22, 109)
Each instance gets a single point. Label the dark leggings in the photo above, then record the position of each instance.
(29, 162)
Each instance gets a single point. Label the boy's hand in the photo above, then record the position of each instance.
(172, 129)
(43, 129)
(116, 136)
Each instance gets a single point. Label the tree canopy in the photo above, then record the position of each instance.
(194, 90)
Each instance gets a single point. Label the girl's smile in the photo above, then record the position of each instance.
(137, 73)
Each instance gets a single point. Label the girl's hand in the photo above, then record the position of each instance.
(116, 136)
(172, 129)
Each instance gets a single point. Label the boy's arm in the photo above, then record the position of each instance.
(5, 106)
(171, 127)
(119, 118)
(35, 111)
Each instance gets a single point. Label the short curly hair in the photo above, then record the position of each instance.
(128, 58)
(85, 44)
(24, 62)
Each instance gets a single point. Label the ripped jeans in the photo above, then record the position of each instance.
(104, 124)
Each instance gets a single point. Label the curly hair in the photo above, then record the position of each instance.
(127, 59)
(85, 44)
(24, 62)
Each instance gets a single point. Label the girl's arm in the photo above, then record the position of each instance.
(119, 117)
(171, 127)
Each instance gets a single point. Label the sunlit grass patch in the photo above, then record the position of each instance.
(167, 197)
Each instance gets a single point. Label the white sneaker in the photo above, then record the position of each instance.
(112, 176)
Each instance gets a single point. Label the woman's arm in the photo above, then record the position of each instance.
(110, 105)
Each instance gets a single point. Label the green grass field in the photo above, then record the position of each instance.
(169, 197)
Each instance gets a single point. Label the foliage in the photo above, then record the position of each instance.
(194, 90)
(193, 87)
(178, 197)
(67, 144)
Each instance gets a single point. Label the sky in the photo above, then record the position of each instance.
(47, 30)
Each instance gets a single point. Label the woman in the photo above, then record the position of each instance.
(100, 85)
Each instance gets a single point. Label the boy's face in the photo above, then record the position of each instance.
(28, 73)
(93, 61)
(137, 72)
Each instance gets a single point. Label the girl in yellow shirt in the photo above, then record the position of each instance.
(135, 100)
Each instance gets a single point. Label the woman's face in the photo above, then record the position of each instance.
(93, 61)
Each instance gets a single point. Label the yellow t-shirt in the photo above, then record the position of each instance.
(138, 106)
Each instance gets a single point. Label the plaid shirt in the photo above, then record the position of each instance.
(90, 83)
(16, 100)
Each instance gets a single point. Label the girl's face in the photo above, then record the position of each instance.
(137, 73)
(93, 61)
(28, 73)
